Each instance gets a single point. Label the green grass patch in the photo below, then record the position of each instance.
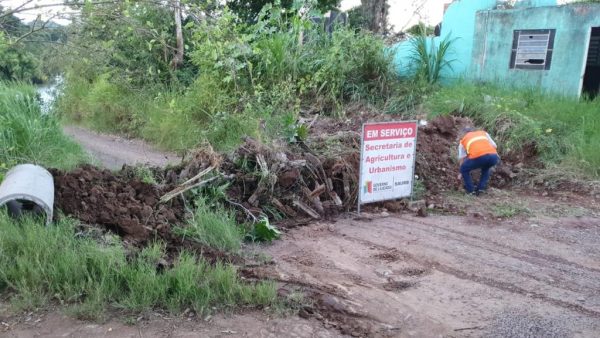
(41, 264)
(507, 210)
(214, 227)
(565, 131)
(28, 136)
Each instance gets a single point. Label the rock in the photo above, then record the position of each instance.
(383, 272)
(422, 212)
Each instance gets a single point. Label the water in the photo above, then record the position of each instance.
(48, 93)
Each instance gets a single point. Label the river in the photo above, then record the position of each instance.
(47, 93)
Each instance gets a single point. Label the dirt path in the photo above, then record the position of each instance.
(114, 151)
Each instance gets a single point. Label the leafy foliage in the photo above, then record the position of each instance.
(249, 79)
(264, 231)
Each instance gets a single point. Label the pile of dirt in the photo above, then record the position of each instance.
(124, 205)
(436, 164)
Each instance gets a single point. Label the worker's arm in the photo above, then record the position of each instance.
(462, 154)
(491, 141)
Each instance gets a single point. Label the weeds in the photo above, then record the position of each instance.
(251, 80)
(429, 60)
(508, 210)
(41, 264)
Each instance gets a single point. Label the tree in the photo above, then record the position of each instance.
(178, 57)
(374, 13)
(248, 10)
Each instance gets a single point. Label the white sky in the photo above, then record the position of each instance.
(46, 12)
(402, 12)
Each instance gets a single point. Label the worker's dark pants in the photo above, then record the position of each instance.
(485, 163)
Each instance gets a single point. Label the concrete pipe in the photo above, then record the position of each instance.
(28, 189)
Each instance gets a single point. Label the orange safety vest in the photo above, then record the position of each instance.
(476, 144)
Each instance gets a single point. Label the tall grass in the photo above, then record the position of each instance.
(27, 135)
(216, 228)
(41, 264)
(428, 59)
(566, 131)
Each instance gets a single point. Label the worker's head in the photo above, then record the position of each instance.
(467, 129)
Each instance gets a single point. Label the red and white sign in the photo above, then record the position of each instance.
(387, 161)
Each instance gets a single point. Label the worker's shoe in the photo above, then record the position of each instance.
(480, 192)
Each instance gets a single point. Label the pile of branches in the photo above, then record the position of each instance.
(292, 183)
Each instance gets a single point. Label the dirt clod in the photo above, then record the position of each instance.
(126, 206)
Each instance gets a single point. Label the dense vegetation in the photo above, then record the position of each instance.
(26, 135)
(237, 78)
(27, 51)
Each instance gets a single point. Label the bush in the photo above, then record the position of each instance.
(251, 78)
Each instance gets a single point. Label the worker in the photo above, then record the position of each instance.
(476, 150)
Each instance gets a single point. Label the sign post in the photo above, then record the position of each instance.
(387, 161)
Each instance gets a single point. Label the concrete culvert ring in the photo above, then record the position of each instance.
(28, 190)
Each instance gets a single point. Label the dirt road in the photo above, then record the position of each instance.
(114, 151)
(455, 276)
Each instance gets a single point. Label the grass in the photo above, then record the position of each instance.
(216, 228)
(565, 131)
(41, 264)
(508, 210)
(27, 136)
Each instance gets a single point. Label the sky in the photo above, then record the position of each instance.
(402, 14)
(46, 12)
(401, 11)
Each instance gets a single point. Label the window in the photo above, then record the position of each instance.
(532, 49)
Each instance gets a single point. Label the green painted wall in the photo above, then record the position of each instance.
(492, 46)
(459, 24)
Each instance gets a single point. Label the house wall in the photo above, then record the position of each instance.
(459, 23)
(492, 45)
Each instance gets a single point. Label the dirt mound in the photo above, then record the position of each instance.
(436, 160)
(124, 205)
(437, 163)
